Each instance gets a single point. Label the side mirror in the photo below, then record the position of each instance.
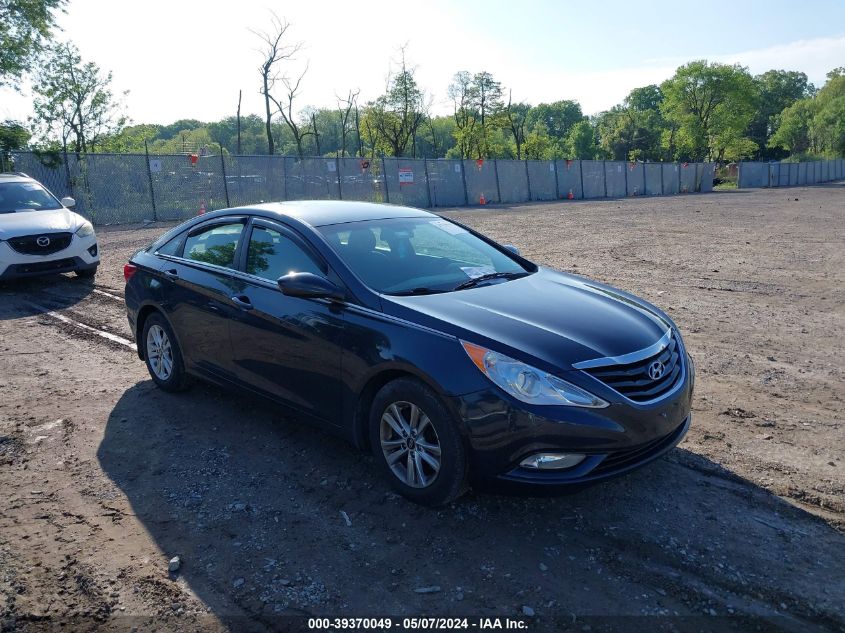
(310, 286)
(68, 202)
(513, 249)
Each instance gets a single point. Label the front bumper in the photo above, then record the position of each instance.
(82, 254)
(501, 432)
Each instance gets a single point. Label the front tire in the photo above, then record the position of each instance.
(416, 441)
(162, 355)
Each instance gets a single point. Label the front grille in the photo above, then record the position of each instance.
(29, 244)
(633, 381)
(56, 265)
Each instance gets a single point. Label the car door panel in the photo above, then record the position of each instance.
(198, 295)
(287, 347)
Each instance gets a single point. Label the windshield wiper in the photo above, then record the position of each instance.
(469, 283)
(416, 291)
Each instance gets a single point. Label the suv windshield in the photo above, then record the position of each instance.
(425, 255)
(26, 196)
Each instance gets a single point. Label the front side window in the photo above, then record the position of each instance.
(215, 245)
(26, 196)
(272, 254)
(419, 255)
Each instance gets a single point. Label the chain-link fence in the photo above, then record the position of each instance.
(789, 174)
(125, 188)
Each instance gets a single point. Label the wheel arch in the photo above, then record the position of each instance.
(143, 314)
(367, 393)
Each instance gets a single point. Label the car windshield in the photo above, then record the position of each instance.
(404, 256)
(26, 196)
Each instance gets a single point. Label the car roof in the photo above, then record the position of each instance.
(325, 212)
(16, 177)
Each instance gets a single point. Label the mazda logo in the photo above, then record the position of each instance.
(43, 241)
(655, 370)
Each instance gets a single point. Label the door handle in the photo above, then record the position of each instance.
(243, 302)
(171, 273)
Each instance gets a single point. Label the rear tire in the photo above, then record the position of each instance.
(86, 273)
(416, 441)
(162, 354)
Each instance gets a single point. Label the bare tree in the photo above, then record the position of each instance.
(273, 52)
(345, 108)
(298, 129)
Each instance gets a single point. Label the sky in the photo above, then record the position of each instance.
(184, 59)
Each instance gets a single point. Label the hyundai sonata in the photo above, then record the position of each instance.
(454, 359)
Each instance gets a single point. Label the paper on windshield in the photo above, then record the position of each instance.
(477, 271)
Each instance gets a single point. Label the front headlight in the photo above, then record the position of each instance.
(85, 230)
(527, 383)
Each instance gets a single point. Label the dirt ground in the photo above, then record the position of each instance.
(104, 478)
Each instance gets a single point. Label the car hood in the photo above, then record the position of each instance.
(31, 222)
(555, 318)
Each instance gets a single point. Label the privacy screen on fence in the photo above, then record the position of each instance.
(125, 188)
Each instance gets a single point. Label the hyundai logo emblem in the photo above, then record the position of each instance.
(655, 370)
(43, 241)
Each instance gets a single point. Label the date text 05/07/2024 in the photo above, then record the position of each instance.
(415, 624)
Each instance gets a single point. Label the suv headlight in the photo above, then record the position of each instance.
(85, 230)
(527, 383)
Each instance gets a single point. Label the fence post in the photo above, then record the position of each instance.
(528, 179)
(581, 175)
(384, 175)
(339, 179)
(464, 178)
(627, 167)
(284, 174)
(498, 188)
(557, 182)
(223, 168)
(149, 177)
(427, 181)
(604, 174)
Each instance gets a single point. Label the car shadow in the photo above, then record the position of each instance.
(272, 517)
(37, 295)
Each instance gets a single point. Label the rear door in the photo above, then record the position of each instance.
(200, 292)
(287, 347)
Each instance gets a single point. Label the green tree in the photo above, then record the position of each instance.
(778, 89)
(558, 119)
(709, 107)
(396, 115)
(815, 125)
(581, 143)
(73, 101)
(24, 26)
(13, 136)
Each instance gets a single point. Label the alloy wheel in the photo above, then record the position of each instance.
(159, 352)
(410, 444)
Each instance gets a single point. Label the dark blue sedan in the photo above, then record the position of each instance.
(451, 357)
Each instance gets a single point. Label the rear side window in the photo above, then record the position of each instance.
(215, 245)
(171, 247)
(272, 254)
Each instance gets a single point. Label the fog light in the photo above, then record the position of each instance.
(552, 461)
(93, 251)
